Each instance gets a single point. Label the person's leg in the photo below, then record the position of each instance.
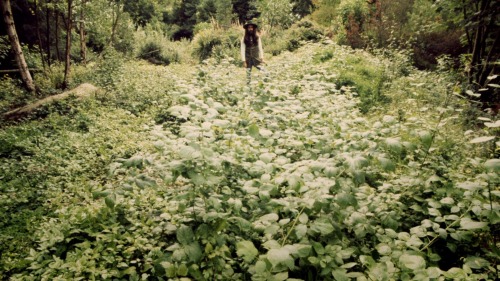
(249, 74)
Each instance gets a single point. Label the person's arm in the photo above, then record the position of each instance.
(243, 49)
(261, 52)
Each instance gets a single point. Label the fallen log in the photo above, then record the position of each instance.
(4, 71)
(82, 91)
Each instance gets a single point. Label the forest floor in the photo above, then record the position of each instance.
(337, 165)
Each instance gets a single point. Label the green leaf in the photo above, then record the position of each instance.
(182, 270)
(468, 224)
(193, 251)
(366, 260)
(433, 272)
(495, 124)
(185, 235)
(280, 257)
(129, 271)
(282, 276)
(260, 267)
(455, 273)
(301, 230)
(356, 162)
(394, 145)
(253, 130)
(472, 94)
(425, 138)
(189, 153)
(345, 199)
(272, 217)
(494, 217)
(169, 269)
(246, 250)
(110, 201)
(476, 262)
(349, 265)
(324, 228)
(383, 249)
(387, 164)
(299, 250)
(482, 139)
(318, 248)
(447, 201)
(412, 262)
(492, 165)
(99, 194)
(197, 178)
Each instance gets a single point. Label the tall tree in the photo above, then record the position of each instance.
(47, 30)
(67, 64)
(184, 15)
(81, 31)
(276, 13)
(38, 35)
(481, 22)
(245, 9)
(16, 46)
(58, 51)
(117, 11)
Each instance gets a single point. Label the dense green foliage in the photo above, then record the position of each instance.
(346, 162)
(183, 173)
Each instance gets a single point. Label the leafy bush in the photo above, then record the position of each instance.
(153, 52)
(217, 43)
(352, 16)
(430, 46)
(356, 71)
(12, 94)
(205, 43)
(107, 71)
(293, 38)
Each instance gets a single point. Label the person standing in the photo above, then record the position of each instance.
(252, 53)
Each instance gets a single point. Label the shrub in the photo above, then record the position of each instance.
(217, 43)
(205, 42)
(293, 38)
(11, 94)
(367, 81)
(155, 46)
(352, 15)
(153, 52)
(325, 12)
(107, 72)
(430, 46)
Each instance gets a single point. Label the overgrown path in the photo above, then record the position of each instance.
(200, 177)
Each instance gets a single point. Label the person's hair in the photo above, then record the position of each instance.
(251, 39)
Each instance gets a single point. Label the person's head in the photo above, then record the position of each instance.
(250, 28)
(250, 33)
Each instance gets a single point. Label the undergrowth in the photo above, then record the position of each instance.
(335, 169)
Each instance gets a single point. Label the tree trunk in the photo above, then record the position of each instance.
(68, 45)
(83, 91)
(467, 32)
(58, 52)
(115, 24)
(16, 46)
(47, 31)
(39, 37)
(83, 45)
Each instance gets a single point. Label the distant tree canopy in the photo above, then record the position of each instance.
(466, 31)
(141, 11)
